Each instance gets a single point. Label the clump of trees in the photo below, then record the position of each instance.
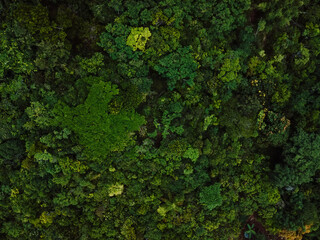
(159, 119)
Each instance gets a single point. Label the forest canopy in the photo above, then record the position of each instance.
(151, 120)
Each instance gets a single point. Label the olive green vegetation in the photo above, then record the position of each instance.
(156, 120)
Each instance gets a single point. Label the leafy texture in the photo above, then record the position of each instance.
(159, 120)
(100, 131)
(210, 196)
(138, 38)
(178, 66)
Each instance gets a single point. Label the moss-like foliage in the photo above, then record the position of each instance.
(99, 130)
(210, 196)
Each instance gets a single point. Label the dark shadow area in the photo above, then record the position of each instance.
(275, 154)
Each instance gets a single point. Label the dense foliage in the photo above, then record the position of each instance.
(171, 119)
